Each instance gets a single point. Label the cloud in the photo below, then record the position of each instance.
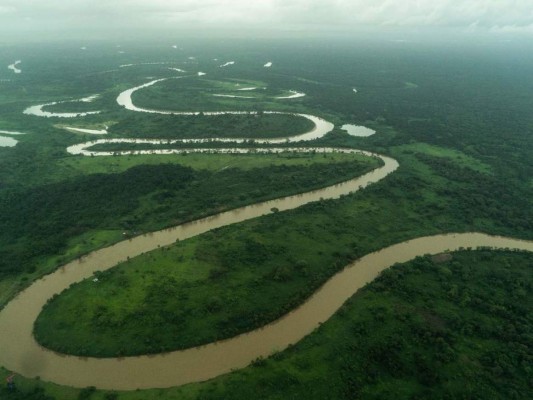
(512, 29)
(7, 10)
(470, 15)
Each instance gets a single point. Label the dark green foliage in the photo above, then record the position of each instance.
(203, 126)
(476, 195)
(38, 222)
(43, 219)
(36, 393)
(86, 393)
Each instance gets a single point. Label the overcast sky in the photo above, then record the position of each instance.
(89, 17)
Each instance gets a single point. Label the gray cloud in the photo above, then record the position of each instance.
(490, 15)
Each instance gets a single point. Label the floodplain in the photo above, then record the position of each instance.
(205, 140)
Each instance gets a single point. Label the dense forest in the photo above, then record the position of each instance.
(38, 222)
(205, 126)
